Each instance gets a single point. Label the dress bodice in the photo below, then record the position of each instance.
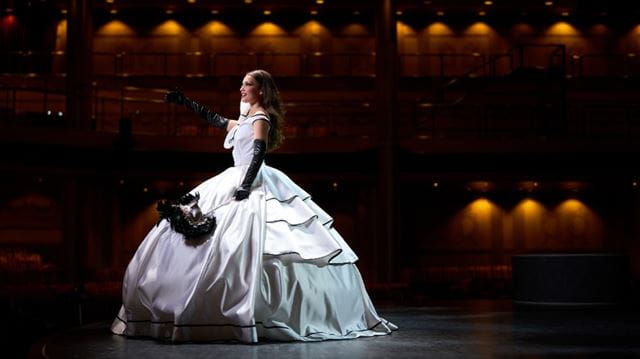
(240, 138)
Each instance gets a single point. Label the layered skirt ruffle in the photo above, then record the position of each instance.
(274, 267)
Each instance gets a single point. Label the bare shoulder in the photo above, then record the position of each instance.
(260, 111)
(260, 128)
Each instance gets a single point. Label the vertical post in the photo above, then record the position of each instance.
(79, 58)
(74, 233)
(386, 108)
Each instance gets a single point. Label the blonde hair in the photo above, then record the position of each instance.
(272, 103)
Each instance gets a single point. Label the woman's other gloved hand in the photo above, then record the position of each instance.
(244, 108)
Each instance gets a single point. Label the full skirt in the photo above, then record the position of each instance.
(273, 268)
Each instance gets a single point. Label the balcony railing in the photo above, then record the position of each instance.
(41, 106)
(194, 64)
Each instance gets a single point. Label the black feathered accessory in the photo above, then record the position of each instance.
(185, 216)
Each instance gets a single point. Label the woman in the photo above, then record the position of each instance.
(274, 267)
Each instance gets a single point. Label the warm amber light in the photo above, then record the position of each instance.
(311, 27)
(482, 13)
(63, 11)
(404, 29)
(548, 3)
(267, 12)
(115, 27)
(215, 12)
(268, 29)
(216, 28)
(113, 11)
(488, 2)
(398, 12)
(169, 12)
(530, 206)
(314, 12)
(191, 1)
(248, 1)
(438, 28)
(565, 13)
(169, 27)
(61, 29)
(319, 1)
(109, 1)
(440, 13)
(479, 28)
(562, 28)
(481, 206)
(571, 205)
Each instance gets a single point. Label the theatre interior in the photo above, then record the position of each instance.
(469, 151)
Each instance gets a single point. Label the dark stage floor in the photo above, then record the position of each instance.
(453, 330)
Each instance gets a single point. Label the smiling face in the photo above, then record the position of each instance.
(250, 90)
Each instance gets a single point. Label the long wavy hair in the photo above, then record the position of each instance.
(272, 103)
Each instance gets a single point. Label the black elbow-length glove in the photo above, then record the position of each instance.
(176, 96)
(259, 151)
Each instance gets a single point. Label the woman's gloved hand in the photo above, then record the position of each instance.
(175, 96)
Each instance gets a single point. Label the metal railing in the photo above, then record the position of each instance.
(29, 106)
(329, 64)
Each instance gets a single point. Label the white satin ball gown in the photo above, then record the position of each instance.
(273, 268)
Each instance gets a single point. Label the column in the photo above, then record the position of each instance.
(78, 61)
(386, 108)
